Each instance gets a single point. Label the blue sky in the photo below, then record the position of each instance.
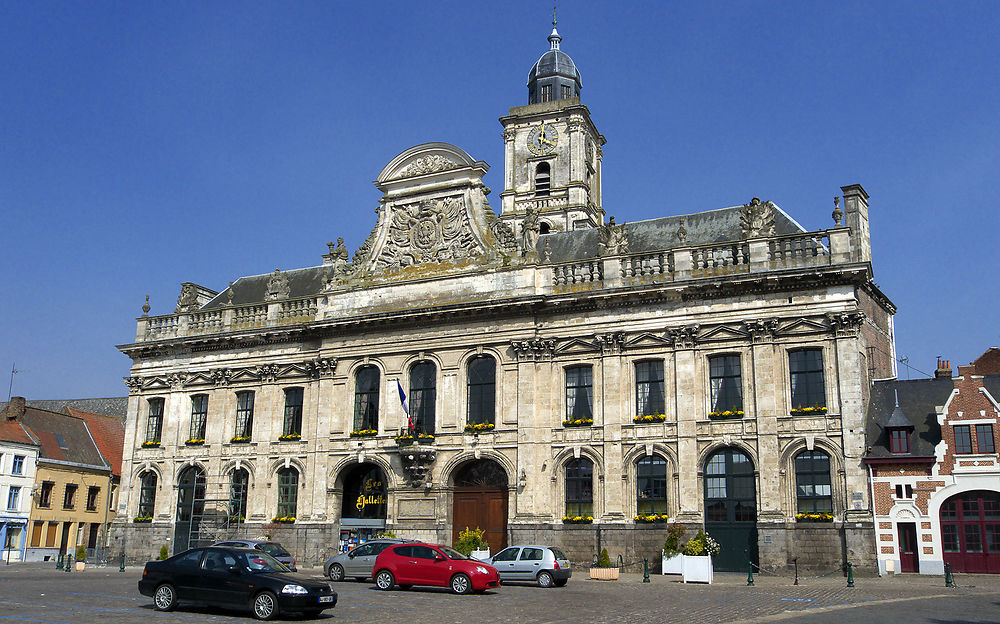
(146, 144)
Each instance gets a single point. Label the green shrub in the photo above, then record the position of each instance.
(672, 545)
(164, 553)
(471, 539)
(604, 561)
(81, 553)
(386, 534)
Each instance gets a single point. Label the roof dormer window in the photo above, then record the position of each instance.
(899, 440)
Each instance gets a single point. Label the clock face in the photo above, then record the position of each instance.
(542, 139)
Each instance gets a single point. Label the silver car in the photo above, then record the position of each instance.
(545, 565)
(359, 561)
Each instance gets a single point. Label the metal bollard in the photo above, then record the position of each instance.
(949, 578)
(749, 573)
(645, 569)
(59, 562)
(121, 567)
(69, 563)
(795, 561)
(850, 574)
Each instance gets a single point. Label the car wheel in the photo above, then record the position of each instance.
(545, 579)
(336, 572)
(460, 584)
(165, 598)
(265, 606)
(560, 583)
(384, 580)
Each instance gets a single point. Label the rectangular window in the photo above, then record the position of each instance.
(69, 498)
(963, 439)
(579, 393)
(566, 92)
(726, 385)
(18, 466)
(904, 492)
(805, 369)
(13, 497)
(984, 439)
(45, 496)
(92, 493)
(899, 441)
(293, 412)
(649, 388)
(199, 416)
(546, 93)
(244, 414)
(154, 422)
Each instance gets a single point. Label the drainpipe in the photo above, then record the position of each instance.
(871, 487)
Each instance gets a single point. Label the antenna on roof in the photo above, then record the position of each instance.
(13, 371)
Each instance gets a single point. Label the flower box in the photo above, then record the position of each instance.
(579, 422)
(425, 438)
(283, 519)
(290, 437)
(733, 413)
(697, 569)
(151, 444)
(194, 442)
(672, 564)
(80, 565)
(807, 411)
(364, 433)
(814, 517)
(404, 440)
(578, 519)
(239, 440)
(649, 418)
(479, 427)
(482, 555)
(651, 518)
(604, 574)
(142, 519)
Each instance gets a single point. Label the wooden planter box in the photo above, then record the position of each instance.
(674, 564)
(604, 574)
(80, 565)
(482, 555)
(697, 569)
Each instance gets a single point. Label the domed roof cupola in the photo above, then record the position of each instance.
(554, 76)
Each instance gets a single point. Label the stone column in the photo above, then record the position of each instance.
(686, 407)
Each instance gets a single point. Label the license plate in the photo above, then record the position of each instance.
(326, 598)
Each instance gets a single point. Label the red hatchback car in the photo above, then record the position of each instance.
(407, 565)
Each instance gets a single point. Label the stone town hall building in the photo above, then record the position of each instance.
(575, 373)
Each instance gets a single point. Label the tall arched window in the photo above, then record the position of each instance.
(366, 382)
(542, 178)
(423, 393)
(147, 494)
(482, 390)
(812, 482)
(288, 492)
(239, 483)
(651, 485)
(580, 487)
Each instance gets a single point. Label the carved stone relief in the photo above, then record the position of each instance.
(614, 239)
(846, 323)
(685, 337)
(278, 286)
(610, 342)
(761, 329)
(435, 230)
(187, 301)
(534, 349)
(426, 164)
(757, 219)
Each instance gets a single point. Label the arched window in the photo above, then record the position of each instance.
(482, 390)
(365, 493)
(293, 412)
(366, 383)
(239, 483)
(147, 494)
(812, 482)
(580, 487)
(651, 485)
(542, 177)
(543, 227)
(288, 492)
(423, 392)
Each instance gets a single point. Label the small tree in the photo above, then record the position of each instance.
(604, 561)
(471, 539)
(386, 533)
(672, 545)
(81, 553)
(164, 553)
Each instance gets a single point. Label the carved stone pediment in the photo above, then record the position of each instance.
(433, 230)
(425, 164)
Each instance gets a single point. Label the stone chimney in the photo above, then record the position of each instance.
(856, 218)
(943, 370)
(14, 410)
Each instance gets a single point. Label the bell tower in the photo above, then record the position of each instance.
(552, 150)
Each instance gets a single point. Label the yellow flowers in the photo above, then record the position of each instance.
(579, 422)
(652, 518)
(577, 519)
(239, 439)
(289, 437)
(364, 433)
(151, 444)
(194, 441)
(814, 516)
(649, 418)
(283, 519)
(479, 427)
(142, 519)
(815, 409)
(730, 413)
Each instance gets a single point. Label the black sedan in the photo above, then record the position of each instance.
(240, 578)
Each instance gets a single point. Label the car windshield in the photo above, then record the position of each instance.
(452, 553)
(262, 562)
(275, 550)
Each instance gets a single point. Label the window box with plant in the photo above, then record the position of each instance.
(673, 558)
(283, 519)
(579, 422)
(815, 410)
(649, 418)
(603, 570)
(405, 439)
(472, 543)
(651, 518)
(151, 444)
(425, 438)
(730, 413)
(239, 440)
(364, 433)
(479, 427)
(290, 437)
(142, 519)
(698, 553)
(578, 519)
(194, 442)
(814, 516)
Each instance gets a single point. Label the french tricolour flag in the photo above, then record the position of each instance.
(406, 406)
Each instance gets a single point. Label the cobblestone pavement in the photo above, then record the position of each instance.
(33, 593)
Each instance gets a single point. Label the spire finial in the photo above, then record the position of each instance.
(555, 6)
(554, 38)
(896, 393)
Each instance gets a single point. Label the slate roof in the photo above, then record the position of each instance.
(917, 399)
(111, 406)
(80, 447)
(109, 434)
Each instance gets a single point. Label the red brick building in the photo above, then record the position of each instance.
(934, 470)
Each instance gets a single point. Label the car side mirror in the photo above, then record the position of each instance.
(351, 555)
(438, 558)
(234, 570)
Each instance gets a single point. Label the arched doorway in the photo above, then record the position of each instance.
(731, 509)
(363, 510)
(190, 508)
(481, 501)
(970, 532)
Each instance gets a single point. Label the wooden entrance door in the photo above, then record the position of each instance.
(907, 532)
(970, 532)
(481, 501)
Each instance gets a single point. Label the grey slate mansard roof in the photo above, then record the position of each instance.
(712, 226)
